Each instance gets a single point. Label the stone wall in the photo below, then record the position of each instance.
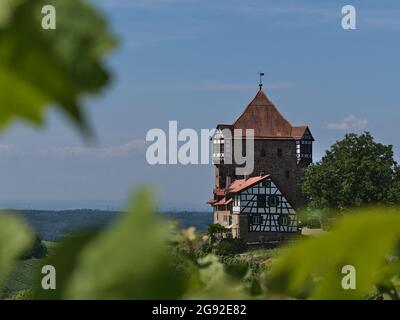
(283, 168)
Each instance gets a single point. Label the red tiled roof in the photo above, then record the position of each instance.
(219, 192)
(267, 122)
(240, 185)
(222, 202)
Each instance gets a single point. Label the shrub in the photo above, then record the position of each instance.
(229, 247)
(21, 295)
(38, 250)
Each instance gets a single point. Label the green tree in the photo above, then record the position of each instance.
(355, 171)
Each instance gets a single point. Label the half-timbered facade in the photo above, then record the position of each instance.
(261, 206)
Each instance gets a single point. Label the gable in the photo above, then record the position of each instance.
(307, 135)
(265, 206)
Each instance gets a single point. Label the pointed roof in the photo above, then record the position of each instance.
(301, 133)
(267, 122)
(298, 132)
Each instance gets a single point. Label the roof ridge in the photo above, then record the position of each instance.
(259, 93)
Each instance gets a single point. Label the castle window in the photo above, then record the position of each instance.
(304, 149)
(284, 220)
(279, 152)
(261, 201)
(273, 201)
(287, 174)
(256, 219)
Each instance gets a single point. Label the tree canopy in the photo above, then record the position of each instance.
(355, 171)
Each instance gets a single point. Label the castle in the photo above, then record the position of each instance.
(261, 206)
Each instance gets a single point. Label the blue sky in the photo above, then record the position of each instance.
(196, 62)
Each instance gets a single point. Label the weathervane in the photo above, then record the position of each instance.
(261, 74)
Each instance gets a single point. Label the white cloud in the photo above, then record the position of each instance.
(349, 123)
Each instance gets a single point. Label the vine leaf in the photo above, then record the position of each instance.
(313, 268)
(41, 68)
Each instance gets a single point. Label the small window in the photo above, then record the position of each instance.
(287, 174)
(279, 152)
(273, 201)
(256, 219)
(261, 201)
(284, 220)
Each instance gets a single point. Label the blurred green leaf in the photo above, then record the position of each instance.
(41, 67)
(212, 282)
(64, 259)
(312, 268)
(129, 261)
(15, 237)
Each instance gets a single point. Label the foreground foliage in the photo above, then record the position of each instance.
(137, 258)
(366, 240)
(41, 67)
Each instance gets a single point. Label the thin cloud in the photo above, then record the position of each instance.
(123, 150)
(8, 149)
(288, 14)
(349, 123)
(291, 14)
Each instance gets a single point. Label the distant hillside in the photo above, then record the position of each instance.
(53, 225)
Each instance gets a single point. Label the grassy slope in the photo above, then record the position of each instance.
(21, 278)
